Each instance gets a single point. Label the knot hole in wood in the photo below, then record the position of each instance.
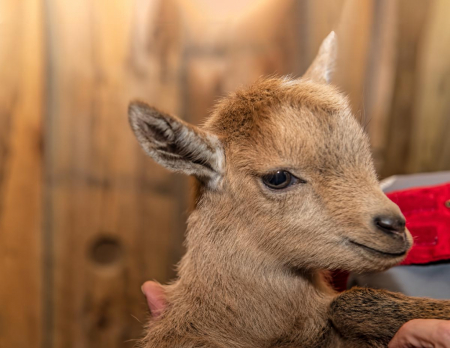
(106, 251)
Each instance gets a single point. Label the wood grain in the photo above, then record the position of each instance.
(429, 138)
(380, 76)
(113, 212)
(21, 165)
(411, 23)
(354, 28)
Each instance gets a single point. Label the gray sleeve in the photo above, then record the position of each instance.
(421, 280)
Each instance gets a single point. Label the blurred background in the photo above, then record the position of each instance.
(85, 217)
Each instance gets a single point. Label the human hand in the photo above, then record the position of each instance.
(156, 297)
(422, 333)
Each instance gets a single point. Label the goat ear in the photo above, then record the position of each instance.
(321, 69)
(176, 145)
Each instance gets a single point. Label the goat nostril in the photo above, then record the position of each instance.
(390, 224)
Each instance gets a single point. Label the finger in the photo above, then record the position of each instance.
(422, 333)
(407, 336)
(442, 334)
(399, 341)
(156, 297)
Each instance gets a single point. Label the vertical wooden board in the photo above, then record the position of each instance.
(232, 44)
(354, 32)
(113, 212)
(380, 76)
(411, 22)
(429, 138)
(268, 40)
(21, 109)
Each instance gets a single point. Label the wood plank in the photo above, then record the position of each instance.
(354, 33)
(113, 212)
(428, 140)
(223, 52)
(411, 22)
(380, 77)
(21, 162)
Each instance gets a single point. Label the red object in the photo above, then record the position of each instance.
(427, 213)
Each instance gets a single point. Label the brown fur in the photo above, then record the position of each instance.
(372, 317)
(254, 271)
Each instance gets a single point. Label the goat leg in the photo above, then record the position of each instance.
(371, 317)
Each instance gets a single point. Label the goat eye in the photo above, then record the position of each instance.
(279, 180)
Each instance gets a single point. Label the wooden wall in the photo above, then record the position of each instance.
(85, 217)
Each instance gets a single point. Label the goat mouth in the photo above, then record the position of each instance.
(376, 251)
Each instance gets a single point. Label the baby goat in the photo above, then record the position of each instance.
(288, 191)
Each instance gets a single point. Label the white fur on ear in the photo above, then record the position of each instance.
(177, 145)
(321, 69)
